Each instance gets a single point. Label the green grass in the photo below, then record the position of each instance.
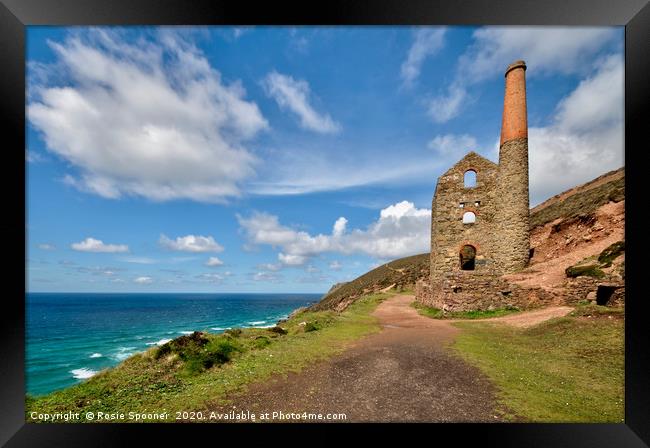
(568, 369)
(436, 313)
(203, 369)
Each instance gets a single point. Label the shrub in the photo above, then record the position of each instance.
(611, 252)
(311, 326)
(277, 329)
(234, 332)
(261, 342)
(198, 352)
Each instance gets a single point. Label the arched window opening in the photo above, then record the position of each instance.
(467, 257)
(469, 218)
(470, 179)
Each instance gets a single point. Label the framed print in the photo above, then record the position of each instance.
(355, 215)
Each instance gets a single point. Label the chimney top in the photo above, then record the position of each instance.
(514, 65)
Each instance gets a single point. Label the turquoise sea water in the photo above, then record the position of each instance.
(70, 337)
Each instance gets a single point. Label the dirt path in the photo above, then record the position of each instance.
(530, 318)
(403, 373)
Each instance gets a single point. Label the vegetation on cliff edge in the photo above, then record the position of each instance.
(192, 372)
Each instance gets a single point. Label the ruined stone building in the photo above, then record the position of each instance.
(480, 216)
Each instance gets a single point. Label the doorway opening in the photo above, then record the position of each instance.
(467, 257)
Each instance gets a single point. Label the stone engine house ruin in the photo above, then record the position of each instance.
(480, 217)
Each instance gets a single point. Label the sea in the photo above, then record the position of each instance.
(72, 336)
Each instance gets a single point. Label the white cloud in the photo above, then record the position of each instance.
(311, 269)
(546, 50)
(213, 261)
(211, 277)
(294, 95)
(238, 32)
(138, 260)
(46, 246)
(32, 156)
(401, 229)
(191, 243)
(586, 137)
(152, 119)
(298, 171)
(339, 226)
(270, 266)
(292, 259)
(143, 280)
(445, 107)
(452, 144)
(95, 245)
(335, 265)
(427, 42)
(267, 277)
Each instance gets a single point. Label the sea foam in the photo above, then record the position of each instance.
(161, 342)
(96, 355)
(83, 373)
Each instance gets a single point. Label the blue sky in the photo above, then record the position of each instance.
(278, 159)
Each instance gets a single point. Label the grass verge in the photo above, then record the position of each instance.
(436, 313)
(193, 372)
(569, 369)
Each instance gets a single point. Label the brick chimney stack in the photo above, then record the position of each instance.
(515, 123)
(513, 242)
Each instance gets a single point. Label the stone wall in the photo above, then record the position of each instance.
(513, 211)
(585, 288)
(451, 200)
(469, 290)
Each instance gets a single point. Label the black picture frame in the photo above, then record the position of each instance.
(15, 15)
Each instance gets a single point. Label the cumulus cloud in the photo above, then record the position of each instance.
(339, 226)
(143, 280)
(453, 144)
(151, 118)
(586, 137)
(214, 261)
(401, 229)
(191, 243)
(294, 95)
(95, 245)
(426, 42)
(546, 50)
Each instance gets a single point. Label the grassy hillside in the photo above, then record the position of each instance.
(404, 272)
(401, 274)
(582, 201)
